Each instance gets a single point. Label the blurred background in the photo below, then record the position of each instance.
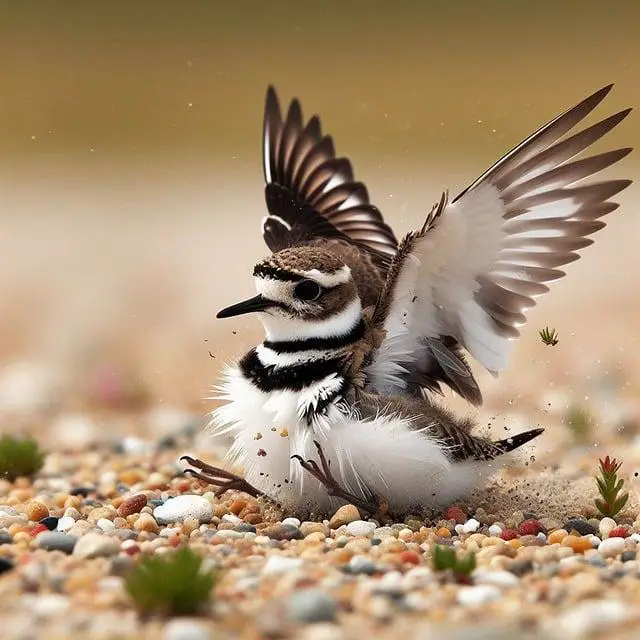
(131, 186)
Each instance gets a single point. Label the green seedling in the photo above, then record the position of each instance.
(19, 457)
(612, 500)
(549, 337)
(446, 559)
(170, 585)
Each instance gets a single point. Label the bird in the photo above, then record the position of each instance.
(339, 402)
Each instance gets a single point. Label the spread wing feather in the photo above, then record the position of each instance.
(480, 261)
(312, 194)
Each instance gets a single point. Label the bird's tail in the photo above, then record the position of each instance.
(513, 442)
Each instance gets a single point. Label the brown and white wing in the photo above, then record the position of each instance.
(470, 274)
(309, 192)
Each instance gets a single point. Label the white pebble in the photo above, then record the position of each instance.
(105, 525)
(588, 618)
(607, 525)
(181, 507)
(276, 565)
(478, 595)
(167, 532)
(65, 523)
(470, 526)
(95, 545)
(504, 579)
(361, 528)
(542, 536)
(185, 629)
(230, 517)
(459, 528)
(294, 522)
(611, 547)
(595, 541)
(495, 531)
(635, 536)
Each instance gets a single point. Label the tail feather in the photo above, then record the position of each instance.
(513, 442)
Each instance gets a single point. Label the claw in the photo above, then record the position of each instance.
(221, 478)
(323, 474)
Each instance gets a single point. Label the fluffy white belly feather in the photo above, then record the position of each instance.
(408, 467)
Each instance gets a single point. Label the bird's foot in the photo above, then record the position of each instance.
(221, 478)
(375, 505)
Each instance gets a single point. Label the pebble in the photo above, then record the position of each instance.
(583, 527)
(504, 579)
(132, 505)
(50, 522)
(65, 523)
(311, 606)
(186, 629)
(361, 528)
(56, 541)
(95, 545)
(282, 532)
(361, 565)
(611, 547)
(344, 515)
(495, 530)
(478, 595)
(36, 510)
(628, 556)
(182, 507)
(589, 618)
(5, 538)
(470, 526)
(607, 525)
(292, 522)
(105, 525)
(277, 565)
(5, 565)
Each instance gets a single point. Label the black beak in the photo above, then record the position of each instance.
(258, 303)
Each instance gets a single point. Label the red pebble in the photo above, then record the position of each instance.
(509, 534)
(39, 528)
(619, 532)
(410, 557)
(530, 528)
(456, 514)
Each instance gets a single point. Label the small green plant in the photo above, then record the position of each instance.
(174, 584)
(549, 337)
(446, 559)
(19, 457)
(578, 421)
(610, 487)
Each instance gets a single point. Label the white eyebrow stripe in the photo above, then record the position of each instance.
(341, 276)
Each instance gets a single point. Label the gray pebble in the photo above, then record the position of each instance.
(312, 605)
(121, 565)
(360, 565)
(628, 556)
(597, 561)
(56, 541)
(5, 538)
(581, 526)
(520, 567)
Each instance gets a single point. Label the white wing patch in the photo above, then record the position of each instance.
(478, 266)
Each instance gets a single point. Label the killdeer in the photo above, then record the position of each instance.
(361, 331)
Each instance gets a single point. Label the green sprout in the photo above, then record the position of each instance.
(446, 559)
(19, 457)
(174, 584)
(549, 337)
(578, 421)
(610, 486)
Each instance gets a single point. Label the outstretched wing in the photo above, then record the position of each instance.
(309, 192)
(478, 263)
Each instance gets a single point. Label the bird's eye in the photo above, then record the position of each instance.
(308, 290)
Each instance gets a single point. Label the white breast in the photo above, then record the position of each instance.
(405, 466)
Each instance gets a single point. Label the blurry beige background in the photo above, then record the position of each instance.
(131, 179)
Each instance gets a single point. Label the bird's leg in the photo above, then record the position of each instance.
(375, 505)
(224, 480)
